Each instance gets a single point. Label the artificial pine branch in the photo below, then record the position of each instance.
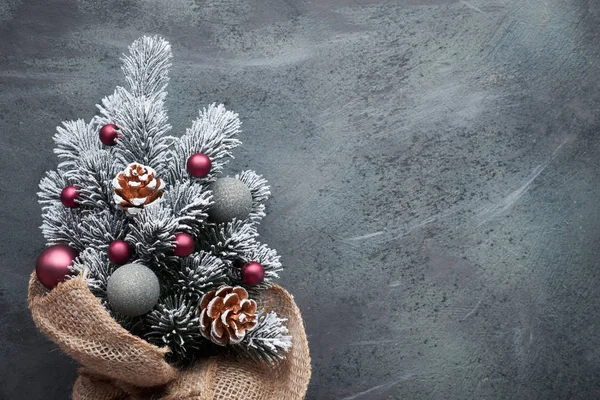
(62, 225)
(174, 323)
(146, 68)
(100, 229)
(140, 112)
(152, 232)
(143, 126)
(73, 139)
(95, 267)
(108, 108)
(213, 134)
(199, 273)
(229, 240)
(189, 202)
(265, 256)
(93, 175)
(268, 341)
(51, 186)
(260, 193)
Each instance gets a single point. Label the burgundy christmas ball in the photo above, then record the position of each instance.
(199, 165)
(253, 274)
(119, 252)
(52, 266)
(109, 134)
(68, 197)
(184, 245)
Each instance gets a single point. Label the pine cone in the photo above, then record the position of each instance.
(227, 314)
(136, 187)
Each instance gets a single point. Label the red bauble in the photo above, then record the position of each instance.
(253, 274)
(184, 245)
(199, 165)
(119, 252)
(109, 134)
(68, 196)
(53, 264)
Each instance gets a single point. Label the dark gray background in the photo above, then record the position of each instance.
(434, 169)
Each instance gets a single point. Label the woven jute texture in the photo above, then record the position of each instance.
(120, 366)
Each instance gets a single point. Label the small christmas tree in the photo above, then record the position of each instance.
(170, 248)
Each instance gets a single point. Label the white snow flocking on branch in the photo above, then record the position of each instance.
(93, 174)
(189, 203)
(175, 324)
(230, 240)
(146, 68)
(99, 229)
(62, 225)
(152, 232)
(200, 273)
(269, 340)
(266, 257)
(72, 139)
(143, 127)
(213, 134)
(96, 269)
(140, 113)
(51, 186)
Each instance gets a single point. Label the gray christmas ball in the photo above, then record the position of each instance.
(232, 199)
(133, 290)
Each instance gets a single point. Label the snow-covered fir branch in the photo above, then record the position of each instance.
(108, 107)
(62, 225)
(93, 174)
(189, 202)
(265, 256)
(199, 273)
(140, 112)
(100, 229)
(51, 186)
(213, 134)
(230, 240)
(72, 139)
(96, 269)
(143, 127)
(174, 323)
(152, 232)
(260, 193)
(146, 68)
(269, 341)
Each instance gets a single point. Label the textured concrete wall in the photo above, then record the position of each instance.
(434, 169)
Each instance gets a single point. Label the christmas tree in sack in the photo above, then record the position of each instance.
(168, 247)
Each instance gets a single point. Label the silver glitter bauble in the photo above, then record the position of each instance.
(232, 199)
(133, 290)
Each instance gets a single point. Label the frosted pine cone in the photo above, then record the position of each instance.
(226, 315)
(136, 187)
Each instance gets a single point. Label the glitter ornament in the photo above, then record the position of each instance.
(133, 290)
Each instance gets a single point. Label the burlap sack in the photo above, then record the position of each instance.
(120, 366)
